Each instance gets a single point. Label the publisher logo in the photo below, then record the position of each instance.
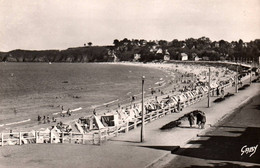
(248, 150)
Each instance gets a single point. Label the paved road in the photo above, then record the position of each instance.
(221, 146)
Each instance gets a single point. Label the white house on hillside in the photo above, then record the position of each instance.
(184, 57)
(166, 56)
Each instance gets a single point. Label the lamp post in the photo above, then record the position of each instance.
(250, 75)
(236, 80)
(142, 128)
(209, 90)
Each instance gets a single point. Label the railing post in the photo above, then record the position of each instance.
(135, 125)
(91, 124)
(106, 135)
(36, 137)
(150, 117)
(127, 127)
(116, 133)
(50, 137)
(83, 142)
(20, 138)
(156, 114)
(100, 137)
(93, 138)
(163, 112)
(70, 137)
(2, 137)
(62, 137)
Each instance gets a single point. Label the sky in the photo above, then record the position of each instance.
(60, 24)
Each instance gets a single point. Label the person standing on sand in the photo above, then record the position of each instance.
(48, 119)
(68, 112)
(44, 119)
(39, 119)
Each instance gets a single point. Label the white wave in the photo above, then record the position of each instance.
(77, 109)
(18, 122)
(110, 102)
(73, 110)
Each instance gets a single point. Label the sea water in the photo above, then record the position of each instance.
(30, 89)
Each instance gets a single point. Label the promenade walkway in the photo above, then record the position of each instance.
(126, 149)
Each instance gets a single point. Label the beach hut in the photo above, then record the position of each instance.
(110, 120)
(98, 123)
(55, 132)
(93, 122)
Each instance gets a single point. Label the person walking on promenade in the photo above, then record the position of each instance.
(217, 91)
(222, 92)
(191, 119)
(179, 105)
(201, 119)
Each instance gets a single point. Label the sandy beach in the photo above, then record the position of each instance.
(169, 83)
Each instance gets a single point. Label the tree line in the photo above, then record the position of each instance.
(202, 48)
(144, 51)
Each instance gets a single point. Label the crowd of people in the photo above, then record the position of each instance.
(201, 118)
(188, 88)
(188, 84)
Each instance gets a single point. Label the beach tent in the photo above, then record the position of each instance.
(46, 131)
(172, 102)
(91, 121)
(122, 115)
(98, 123)
(42, 135)
(213, 84)
(55, 134)
(132, 113)
(136, 112)
(110, 120)
(150, 106)
(55, 129)
(79, 128)
(183, 97)
(189, 95)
